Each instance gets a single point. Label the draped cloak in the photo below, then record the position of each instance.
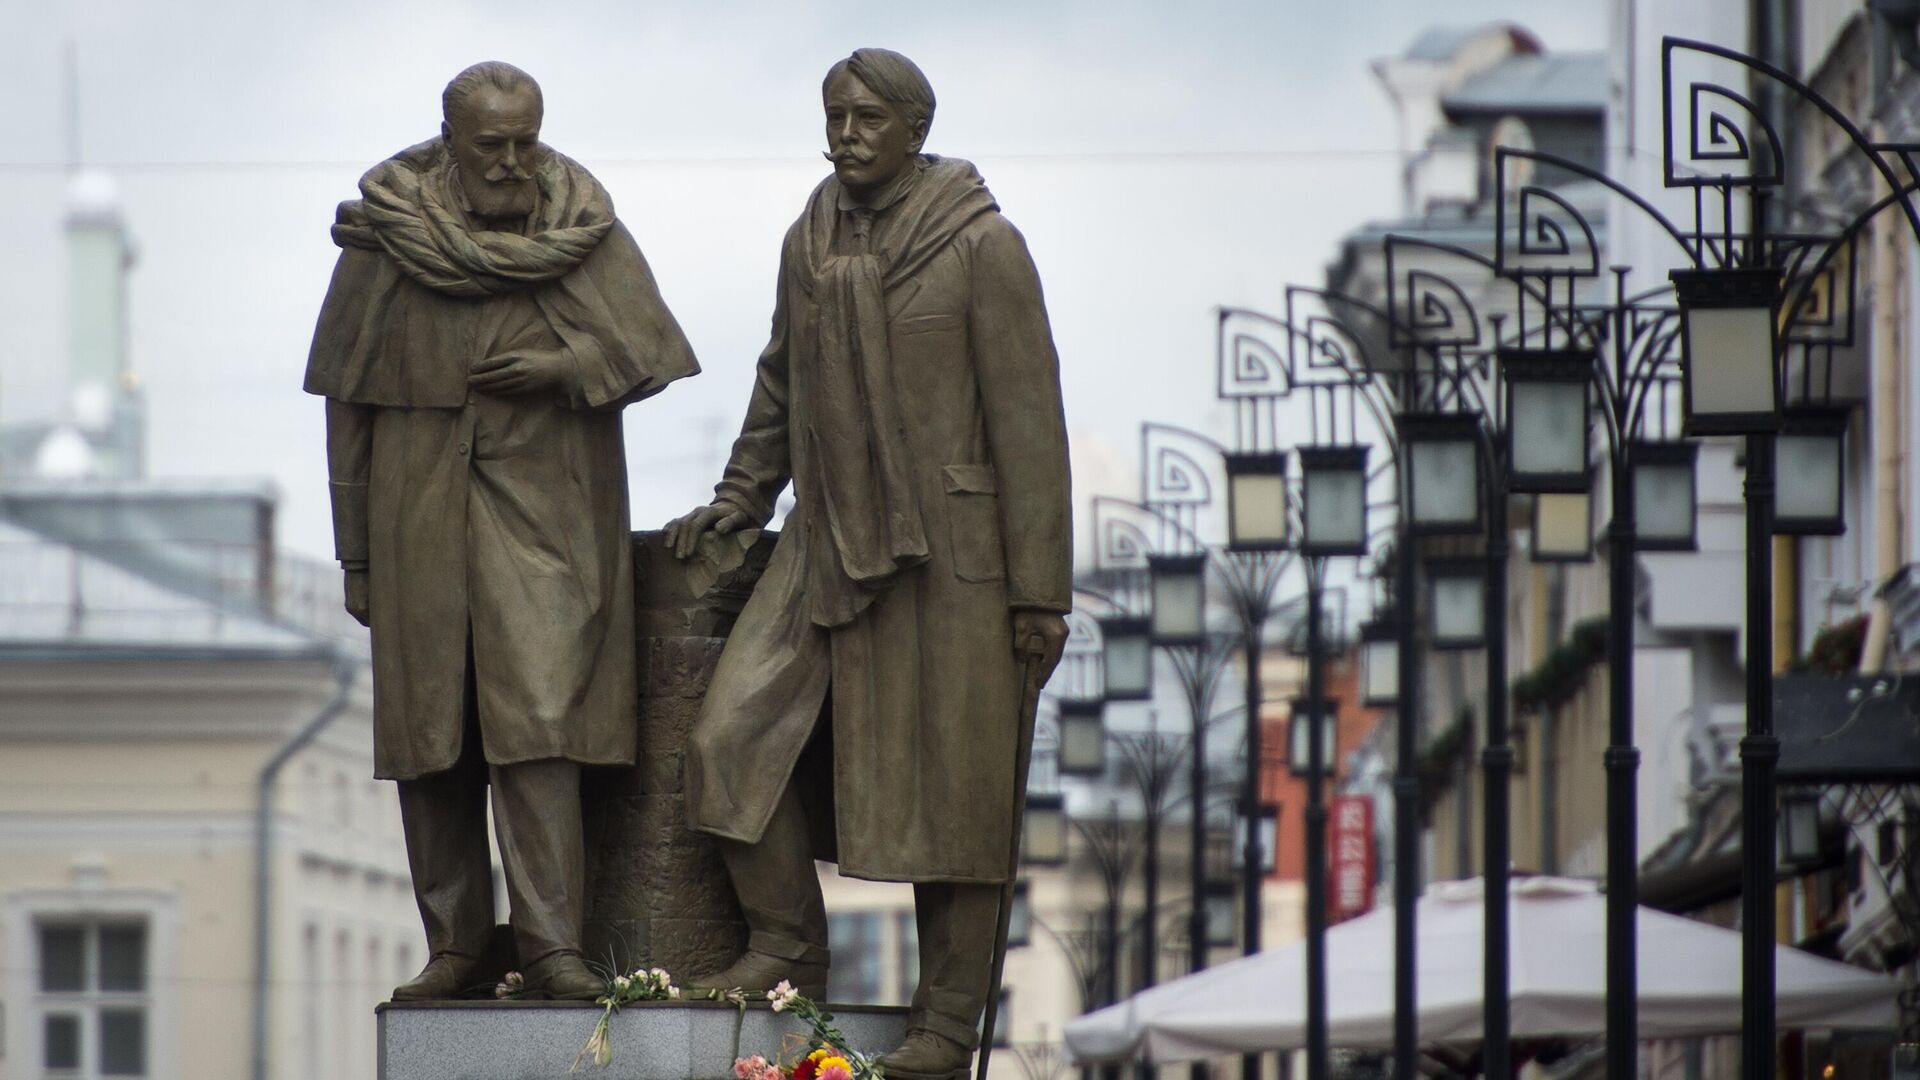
(493, 528)
(910, 392)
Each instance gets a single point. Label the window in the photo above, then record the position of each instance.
(92, 1000)
(907, 931)
(857, 948)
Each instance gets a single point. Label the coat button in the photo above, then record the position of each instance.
(463, 448)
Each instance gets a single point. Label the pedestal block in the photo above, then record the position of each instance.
(657, 893)
(537, 1040)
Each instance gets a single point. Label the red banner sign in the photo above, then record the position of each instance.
(1350, 839)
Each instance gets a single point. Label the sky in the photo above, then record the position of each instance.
(1162, 159)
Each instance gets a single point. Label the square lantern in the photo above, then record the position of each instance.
(1729, 350)
(1300, 735)
(1549, 413)
(1457, 603)
(1126, 657)
(1179, 586)
(1221, 913)
(1441, 452)
(1799, 827)
(1562, 527)
(1380, 663)
(1333, 497)
(1083, 737)
(1664, 499)
(1266, 835)
(1043, 831)
(1257, 502)
(1809, 472)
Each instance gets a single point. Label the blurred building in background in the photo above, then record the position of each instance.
(185, 751)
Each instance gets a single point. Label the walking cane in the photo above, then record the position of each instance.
(1022, 758)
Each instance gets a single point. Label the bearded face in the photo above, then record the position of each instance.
(495, 139)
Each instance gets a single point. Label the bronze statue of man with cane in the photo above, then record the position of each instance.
(873, 703)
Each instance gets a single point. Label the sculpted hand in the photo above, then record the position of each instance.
(522, 371)
(683, 533)
(1040, 634)
(357, 595)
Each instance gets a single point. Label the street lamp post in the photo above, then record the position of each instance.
(1746, 294)
(1333, 513)
(1318, 357)
(1158, 555)
(1177, 485)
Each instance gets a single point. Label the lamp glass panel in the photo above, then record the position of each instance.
(1807, 476)
(1549, 427)
(1446, 482)
(1259, 508)
(1563, 524)
(1336, 507)
(1020, 916)
(1043, 838)
(1179, 605)
(1220, 914)
(1730, 360)
(1800, 830)
(1300, 748)
(1083, 742)
(1663, 501)
(1380, 663)
(1129, 664)
(1459, 607)
(1269, 839)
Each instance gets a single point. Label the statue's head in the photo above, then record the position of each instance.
(490, 119)
(879, 107)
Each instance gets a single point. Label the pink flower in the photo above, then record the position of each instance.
(753, 1068)
(773, 1073)
(835, 1072)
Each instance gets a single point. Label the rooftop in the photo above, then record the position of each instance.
(1441, 42)
(1534, 84)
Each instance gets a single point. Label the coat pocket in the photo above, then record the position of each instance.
(973, 523)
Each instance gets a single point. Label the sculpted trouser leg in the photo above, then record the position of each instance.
(778, 888)
(536, 815)
(444, 818)
(957, 925)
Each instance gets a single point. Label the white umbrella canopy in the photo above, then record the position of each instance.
(1688, 973)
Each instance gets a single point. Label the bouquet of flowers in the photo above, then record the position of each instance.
(649, 984)
(827, 1055)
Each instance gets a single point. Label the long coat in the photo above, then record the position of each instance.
(494, 529)
(923, 683)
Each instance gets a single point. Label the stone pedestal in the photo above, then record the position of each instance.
(537, 1040)
(657, 893)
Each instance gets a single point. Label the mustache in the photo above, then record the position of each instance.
(515, 176)
(857, 155)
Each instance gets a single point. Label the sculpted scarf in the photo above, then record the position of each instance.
(406, 211)
(375, 345)
(854, 419)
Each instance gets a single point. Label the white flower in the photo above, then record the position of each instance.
(661, 980)
(782, 995)
(622, 983)
(673, 993)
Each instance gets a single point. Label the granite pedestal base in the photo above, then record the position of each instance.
(537, 1040)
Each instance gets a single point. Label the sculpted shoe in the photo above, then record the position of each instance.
(447, 976)
(563, 976)
(927, 1056)
(769, 960)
